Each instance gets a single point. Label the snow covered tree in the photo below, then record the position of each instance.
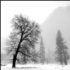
(42, 51)
(35, 56)
(24, 36)
(61, 49)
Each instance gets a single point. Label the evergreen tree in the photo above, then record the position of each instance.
(42, 51)
(61, 49)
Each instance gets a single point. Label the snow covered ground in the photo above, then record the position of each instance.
(36, 67)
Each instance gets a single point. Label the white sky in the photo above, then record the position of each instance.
(35, 10)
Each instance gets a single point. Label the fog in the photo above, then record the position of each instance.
(50, 15)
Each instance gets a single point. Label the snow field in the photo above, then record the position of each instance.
(36, 67)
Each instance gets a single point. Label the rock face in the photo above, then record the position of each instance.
(58, 19)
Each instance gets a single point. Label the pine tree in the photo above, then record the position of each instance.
(62, 54)
(42, 51)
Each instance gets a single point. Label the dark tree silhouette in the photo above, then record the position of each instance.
(24, 36)
(42, 51)
(61, 49)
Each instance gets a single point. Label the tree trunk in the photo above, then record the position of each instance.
(65, 61)
(15, 57)
(16, 53)
(14, 61)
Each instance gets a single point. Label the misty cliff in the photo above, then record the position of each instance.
(58, 19)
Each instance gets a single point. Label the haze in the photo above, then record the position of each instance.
(35, 10)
